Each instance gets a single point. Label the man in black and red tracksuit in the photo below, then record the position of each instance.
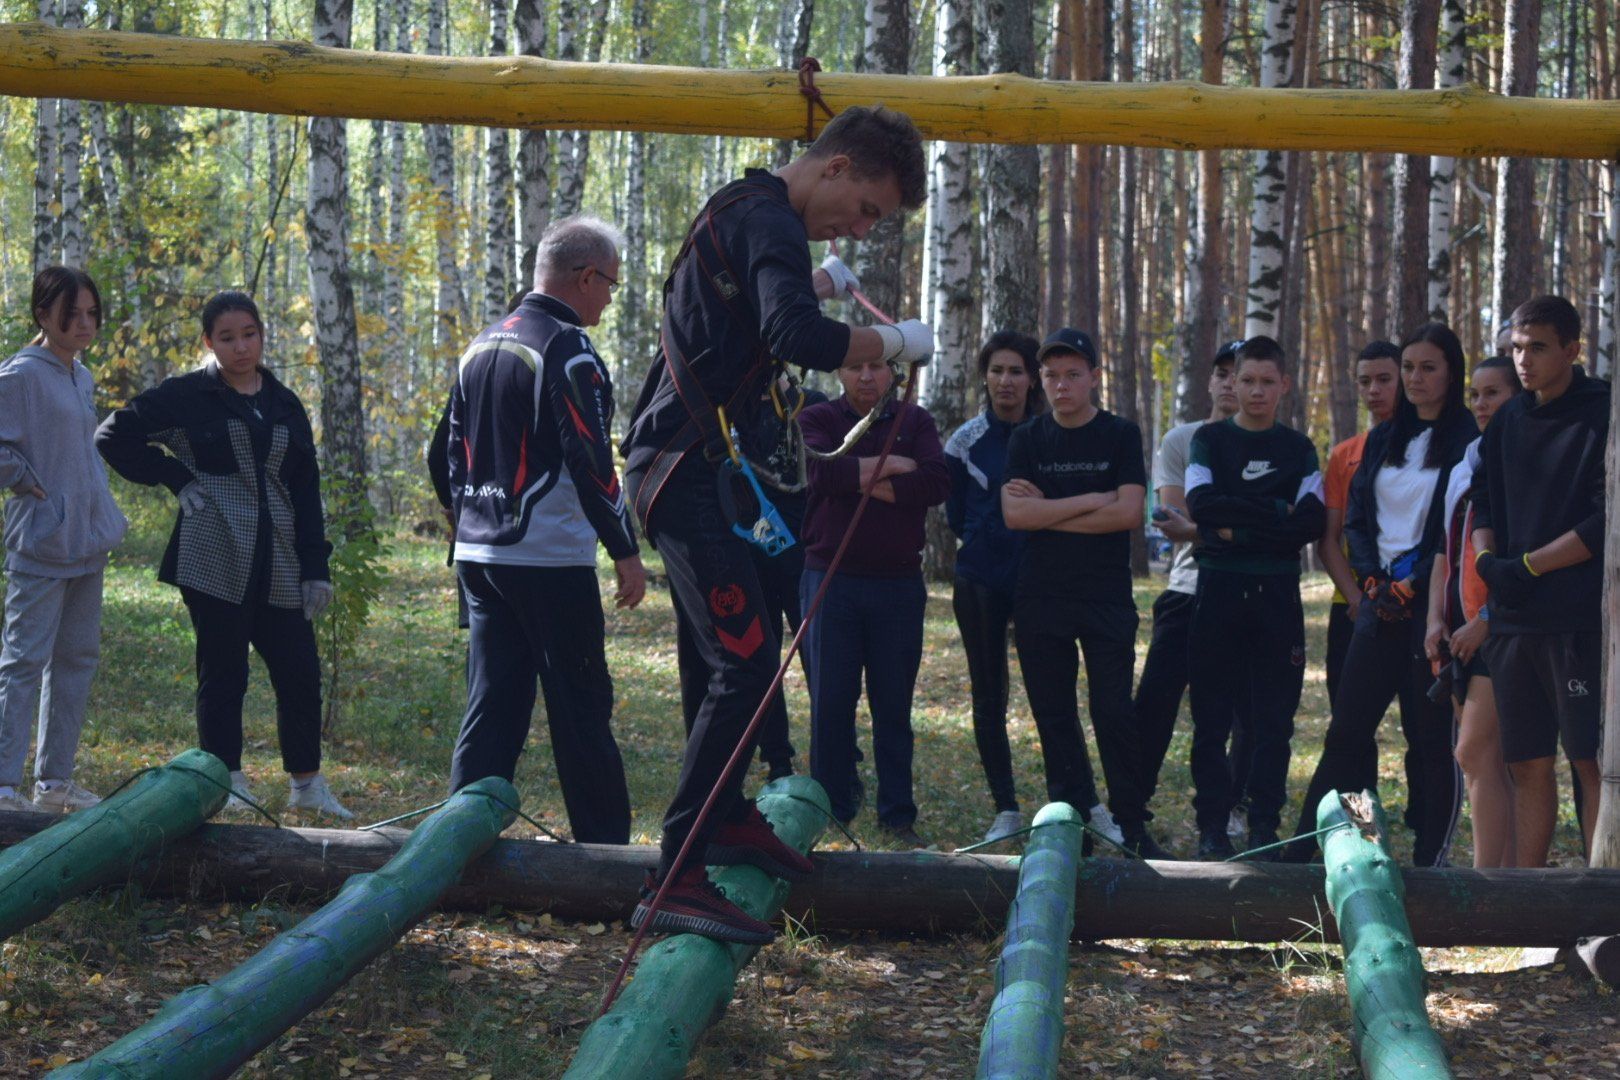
(533, 486)
(740, 302)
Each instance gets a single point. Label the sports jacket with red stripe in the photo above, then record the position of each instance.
(531, 467)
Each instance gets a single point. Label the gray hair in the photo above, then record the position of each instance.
(573, 242)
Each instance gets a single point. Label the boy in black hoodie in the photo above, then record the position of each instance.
(1539, 507)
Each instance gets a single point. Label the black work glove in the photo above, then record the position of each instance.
(1393, 601)
(1508, 578)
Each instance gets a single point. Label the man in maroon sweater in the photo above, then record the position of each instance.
(871, 620)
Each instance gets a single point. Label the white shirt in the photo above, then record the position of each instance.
(1404, 493)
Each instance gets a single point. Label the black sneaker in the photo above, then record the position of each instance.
(1141, 844)
(779, 770)
(1263, 838)
(1214, 845)
(696, 905)
(904, 836)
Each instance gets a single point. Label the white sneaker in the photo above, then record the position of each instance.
(240, 792)
(1103, 822)
(10, 800)
(63, 796)
(316, 796)
(1237, 822)
(1006, 823)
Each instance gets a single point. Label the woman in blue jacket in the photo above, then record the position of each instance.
(987, 561)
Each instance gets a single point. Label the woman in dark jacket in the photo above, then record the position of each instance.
(1394, 526)
(987, 561)
(248, 552)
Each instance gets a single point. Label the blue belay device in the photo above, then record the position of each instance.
(769, 532)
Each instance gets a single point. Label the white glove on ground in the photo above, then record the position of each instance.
(317, 594)
(843, 278)
(192, 498)
(909, 342)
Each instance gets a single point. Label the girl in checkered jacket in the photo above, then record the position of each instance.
(249, 551)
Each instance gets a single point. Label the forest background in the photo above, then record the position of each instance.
(376, 249)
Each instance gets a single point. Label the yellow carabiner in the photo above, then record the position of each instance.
(783, 413)
(726, 433)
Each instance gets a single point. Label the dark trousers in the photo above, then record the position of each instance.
(1386, 662)
(716, 590)
(1340, 629)
(285, 641)
(779, 584)
(545, 622)
(870, 626)
(1165, 673)
(1045, 631)
(1250, 655)
(983, 615)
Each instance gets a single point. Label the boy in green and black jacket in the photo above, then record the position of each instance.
(1254, 488)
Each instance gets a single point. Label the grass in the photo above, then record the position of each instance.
(507, 995)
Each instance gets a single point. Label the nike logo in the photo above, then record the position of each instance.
(1254, 470)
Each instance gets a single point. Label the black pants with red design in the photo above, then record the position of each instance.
(718, 595)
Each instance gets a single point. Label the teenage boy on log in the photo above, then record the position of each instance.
(1254, 488)
(740, 303)
(1076, 482)
(1164, 672)
(1539, 515)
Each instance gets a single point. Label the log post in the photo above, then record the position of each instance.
(1383, 973)
(107, 841)
(210, 1029)
(300, 79)
(1024, 1033)
(683, 983)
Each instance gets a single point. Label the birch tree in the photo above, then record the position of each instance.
(497, 188)
(792, 45)
(343, 413)
(632, 312)
(46, 133)
(1451, 71)
(1570, 33)
(393, 278)
(1012, 182)
(1266, 241)
(1408, 301)
(946, 380)
(70, 150)
(534, 150)
(880, 254)
(1515, 239)
(451, 302)
(1206, 254)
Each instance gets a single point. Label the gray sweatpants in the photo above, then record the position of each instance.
(52, 644)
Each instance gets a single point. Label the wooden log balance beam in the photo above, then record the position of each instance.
(900, 892)
(300, 79)
(1383, 971)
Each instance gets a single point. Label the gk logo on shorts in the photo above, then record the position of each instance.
(1577, 688)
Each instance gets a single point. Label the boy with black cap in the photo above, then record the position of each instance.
(1539, 502)
(1076, 482)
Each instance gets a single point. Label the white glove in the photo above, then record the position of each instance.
(317, 594)
(843, 278)
(909, 342)
(192, 498)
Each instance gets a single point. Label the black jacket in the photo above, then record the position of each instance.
(1452, 434)
(258, 470)
(1541, 474)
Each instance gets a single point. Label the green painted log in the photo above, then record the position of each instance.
(104, 843)
(1383, 971)
(683, 983)
(210, 1029)
(1024, 1033)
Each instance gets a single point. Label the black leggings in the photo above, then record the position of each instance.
(983, 615)
(1384, 663)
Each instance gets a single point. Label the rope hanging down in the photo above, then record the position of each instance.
(745, 743)
(812, 96)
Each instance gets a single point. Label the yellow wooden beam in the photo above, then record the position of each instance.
(305, 80)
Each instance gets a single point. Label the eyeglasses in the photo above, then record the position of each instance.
(613, 282)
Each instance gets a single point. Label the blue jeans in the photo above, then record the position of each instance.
(875, 626)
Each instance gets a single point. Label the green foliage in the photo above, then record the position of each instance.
(357, 582)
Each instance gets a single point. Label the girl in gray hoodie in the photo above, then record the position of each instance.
(60, 524)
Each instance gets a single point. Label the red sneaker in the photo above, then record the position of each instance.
(753, 842)
(696, 905)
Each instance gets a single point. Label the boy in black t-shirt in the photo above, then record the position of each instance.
(1076, 482)
(1254, 488)
(1539, 501)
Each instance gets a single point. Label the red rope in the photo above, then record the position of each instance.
(744, 748)
(812, 96)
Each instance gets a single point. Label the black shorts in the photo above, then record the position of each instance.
(1548, 690)
(1463, 674)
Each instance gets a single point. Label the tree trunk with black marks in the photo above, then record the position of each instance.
(879, 257)
(1409, 281)
(450, 302)
(1012, 186)
(1201, 329)
(1451, 70)
(326, 224)
(632, 305)
(47, 132)
(1267, 243)
(534, 151)
(497, 187)
(793, 45)
(1514, 251)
